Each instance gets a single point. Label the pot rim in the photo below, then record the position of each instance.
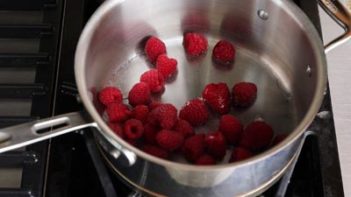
(289, 7)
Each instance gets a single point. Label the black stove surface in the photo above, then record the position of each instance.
(74, 167)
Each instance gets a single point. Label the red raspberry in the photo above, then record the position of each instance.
(155, 151)
(118, 112)
(153, 48)
(185, 128)
(194, 147)
(223, 52)
(195, 44)
(279, 138)
(216, 145)
(139, 94)
(239, 154)
(117, 129)
(244, 94)
(154, 104)
(169, 140)
(166, 115)
(150, 132)
(133, 129)
(231, 128)
(166, 66)
(154, 79)
(257, 135)
(152, 119)
(140, 112)
(195, 112)
(205, 160)
(217, 96)
(110, 95)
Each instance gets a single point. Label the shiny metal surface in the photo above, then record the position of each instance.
(29, 133)
(340, 13)
(278, 49)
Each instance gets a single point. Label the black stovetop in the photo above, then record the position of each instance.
(70, 165)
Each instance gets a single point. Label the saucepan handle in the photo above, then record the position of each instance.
(29, 133)
(342, 16)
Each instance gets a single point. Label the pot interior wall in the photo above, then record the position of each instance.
(273, 52)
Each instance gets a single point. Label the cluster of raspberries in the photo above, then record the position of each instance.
(158, 128)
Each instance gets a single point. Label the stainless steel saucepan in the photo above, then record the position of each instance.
(277, 48)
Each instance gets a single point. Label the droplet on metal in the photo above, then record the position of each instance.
(309, 70)
(263, 14)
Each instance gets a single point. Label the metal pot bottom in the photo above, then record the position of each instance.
(254, 192)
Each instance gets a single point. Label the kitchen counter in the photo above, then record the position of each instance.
(339, 73)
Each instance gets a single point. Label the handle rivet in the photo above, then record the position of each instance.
(263, 14)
